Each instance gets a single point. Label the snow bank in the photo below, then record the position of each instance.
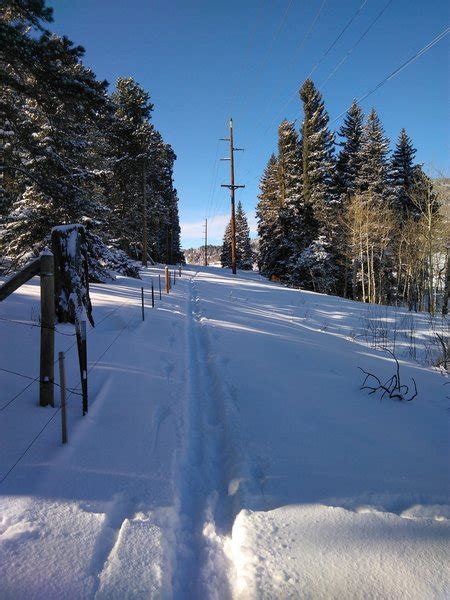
(228, 451)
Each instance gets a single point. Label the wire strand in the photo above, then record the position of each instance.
(360, 39)
(399, 69)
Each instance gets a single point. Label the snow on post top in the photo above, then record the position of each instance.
(64, 228)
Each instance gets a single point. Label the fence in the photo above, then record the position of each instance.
(80, 389)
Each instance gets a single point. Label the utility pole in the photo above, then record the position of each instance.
(232, 187)
(206, 242)
(144, 214)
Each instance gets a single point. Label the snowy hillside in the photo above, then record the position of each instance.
(228, 451)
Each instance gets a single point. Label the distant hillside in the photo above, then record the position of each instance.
(196, 256)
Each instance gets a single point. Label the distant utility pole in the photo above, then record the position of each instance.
(144, 214)
(206, 242)
(232, 187)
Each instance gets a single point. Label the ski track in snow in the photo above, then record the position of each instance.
(202, 495)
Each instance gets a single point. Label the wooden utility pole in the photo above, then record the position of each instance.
(206, 242)
(47, 370)
(232, 187)
(144, 214)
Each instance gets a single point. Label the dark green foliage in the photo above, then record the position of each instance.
(244, 253)
(73, 154)
(403, 173)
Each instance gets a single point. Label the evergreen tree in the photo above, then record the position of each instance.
(73, 154)
(373, 156)
(51, 176)
(130, 137)
(402, 174)
(292, 210)
(271, 260)
(319, 195)
(225, 255)
(348, 164)
(244, 254)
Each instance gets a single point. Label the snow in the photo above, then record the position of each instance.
(228, 451)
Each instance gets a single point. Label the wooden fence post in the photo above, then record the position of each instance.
(174, 280)
(179, 270)
(47, 368)
(159, 281)
(82, 359)
(167, 274)
(153, 296)
(142, 303)
(62, 383)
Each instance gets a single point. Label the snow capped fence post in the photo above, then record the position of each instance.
(47, 369)
(174, 279)
(142, 303)
(159, 282)
(167, 274)
(153, 296)
(71, 273)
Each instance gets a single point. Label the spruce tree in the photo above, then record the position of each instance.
(373, 156)
(244, 254)
(317, 157)
(292, 211)
(51, 176)
(320, 203)
(130, 138)
(271, 260)
(402, 174)
(348, 164)
(225, 255)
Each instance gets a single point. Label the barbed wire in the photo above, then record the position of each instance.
(71, 391)
(28, 324)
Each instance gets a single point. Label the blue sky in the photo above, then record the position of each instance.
(204, 61)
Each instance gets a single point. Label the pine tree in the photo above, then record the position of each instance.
(373, 156)
(130, 137)
(318, 189)
(292, 210)
(244, 254)
(402, 174)
(271, 261)
(225, 255)
(73, 154)
(49, 165)
(348, 164)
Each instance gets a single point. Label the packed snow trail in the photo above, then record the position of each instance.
(228, 453)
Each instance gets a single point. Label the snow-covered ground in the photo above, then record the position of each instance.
(228, 450)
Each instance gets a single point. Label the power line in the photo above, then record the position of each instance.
(275, 36)
(338, 66)
(399, 69)
(305, 37)
(331, 46)
(327, 51)
(247, 50)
